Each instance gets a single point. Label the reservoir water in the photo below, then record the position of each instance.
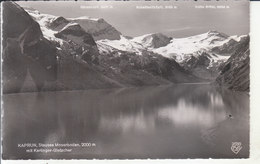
(169, 122)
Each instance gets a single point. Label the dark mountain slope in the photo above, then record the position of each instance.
(25, 50)
(235, 73)
(33, 63)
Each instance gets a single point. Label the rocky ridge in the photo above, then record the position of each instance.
(79, 53)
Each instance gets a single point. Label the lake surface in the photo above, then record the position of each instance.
(178, 121)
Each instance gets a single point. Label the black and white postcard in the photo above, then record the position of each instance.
(125, 80)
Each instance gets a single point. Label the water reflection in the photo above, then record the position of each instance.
(180, 121)
(185, 114)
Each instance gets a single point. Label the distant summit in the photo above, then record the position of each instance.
(99, 28)
(155, 40)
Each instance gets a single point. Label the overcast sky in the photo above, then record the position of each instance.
(184, 21)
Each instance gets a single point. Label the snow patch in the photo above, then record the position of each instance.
(84, 18)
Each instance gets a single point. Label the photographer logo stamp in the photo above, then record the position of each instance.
(236, 147)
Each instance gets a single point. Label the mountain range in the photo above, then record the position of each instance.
(89, 53)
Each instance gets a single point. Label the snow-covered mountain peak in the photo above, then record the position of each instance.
(42, 19)
(154, 40)
(212, 42)
(215, 32)
(98, 27)
(193, 44)
(72, 26)
(124, 44)
(84, 18)
(239, 38)
(210, 36)
(87, 18)
(32, 10)
(207, 50)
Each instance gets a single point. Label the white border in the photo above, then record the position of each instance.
(255, 81)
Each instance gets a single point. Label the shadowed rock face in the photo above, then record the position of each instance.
(14, 69)
(25, 50)
(16, 21)
(58, 23)
(77, 31)
(235, 72)
(42, 62)
(200, 66)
